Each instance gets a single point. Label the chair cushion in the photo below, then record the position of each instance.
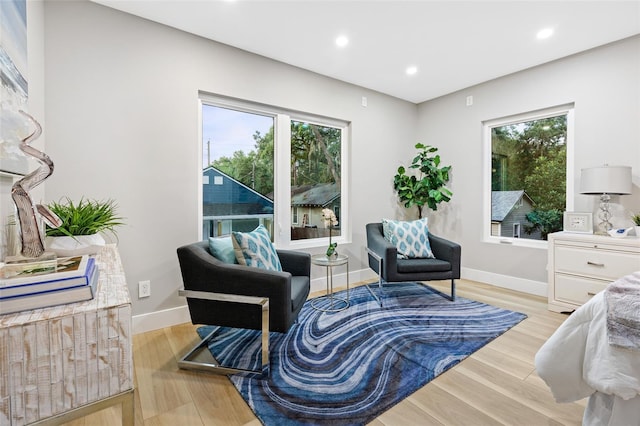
(410, 238)
(299, 291)
(255, 249)
(222, 249)
(408, 266)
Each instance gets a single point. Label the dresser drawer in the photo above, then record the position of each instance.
(605, 264)
(577, 290)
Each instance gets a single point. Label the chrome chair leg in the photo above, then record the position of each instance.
(379, 259)
(187, 362)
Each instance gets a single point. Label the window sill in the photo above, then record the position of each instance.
(517, 242)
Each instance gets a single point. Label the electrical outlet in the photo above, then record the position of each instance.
(144, 289)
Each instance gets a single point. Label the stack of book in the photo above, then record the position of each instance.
(25, 287)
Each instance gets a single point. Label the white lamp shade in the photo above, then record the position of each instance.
(606, 180)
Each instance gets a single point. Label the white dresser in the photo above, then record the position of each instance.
(581, 265)
(67, 361)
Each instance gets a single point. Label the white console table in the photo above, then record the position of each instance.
(581, 265)
(67, 361)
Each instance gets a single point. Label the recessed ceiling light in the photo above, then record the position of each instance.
(342, 41)
(412, 70)
(544, 33)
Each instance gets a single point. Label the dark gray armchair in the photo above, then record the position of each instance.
(238, 296)
(383, 259)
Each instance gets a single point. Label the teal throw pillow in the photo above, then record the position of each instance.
(410, 238)
(255, 249)
(222, 249)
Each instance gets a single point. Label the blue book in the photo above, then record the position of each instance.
(51, 298)
(73, 272)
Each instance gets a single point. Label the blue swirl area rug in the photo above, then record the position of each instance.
(348, 367)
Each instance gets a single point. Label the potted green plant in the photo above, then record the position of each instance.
(83, 224)
(635, 217)
(428, 187)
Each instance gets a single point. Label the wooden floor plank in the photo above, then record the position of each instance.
(532, 396)
(156, 372)
(406, 413)
(499, 407)
(504, 362)
(184, 415)
(448, 409)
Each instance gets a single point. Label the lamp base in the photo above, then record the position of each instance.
(604, 214)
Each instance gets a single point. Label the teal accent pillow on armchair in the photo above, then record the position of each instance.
(222, 249)
(410, 238)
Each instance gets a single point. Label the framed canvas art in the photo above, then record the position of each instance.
(14, 88)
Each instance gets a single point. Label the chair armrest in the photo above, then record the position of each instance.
(376, 243)
(296, 262)
(446, 250)
(223, 297)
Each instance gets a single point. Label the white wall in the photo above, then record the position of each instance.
(122, 122)
(604, 84)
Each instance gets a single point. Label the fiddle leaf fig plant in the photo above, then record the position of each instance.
(427, 187)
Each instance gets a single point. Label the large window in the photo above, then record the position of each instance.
(315, 178)
(529, 157)
(262, 165)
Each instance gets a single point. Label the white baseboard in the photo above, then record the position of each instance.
(505, 281)
(160, 319)
(179, 315)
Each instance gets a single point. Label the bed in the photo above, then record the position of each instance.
(595, 353)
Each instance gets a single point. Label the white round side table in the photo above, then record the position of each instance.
(336, 304)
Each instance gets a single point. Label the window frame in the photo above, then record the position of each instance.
(487, 126)
(282, 165)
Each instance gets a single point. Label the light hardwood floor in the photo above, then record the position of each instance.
(495, 385)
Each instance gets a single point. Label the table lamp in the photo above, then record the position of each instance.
(605, 181)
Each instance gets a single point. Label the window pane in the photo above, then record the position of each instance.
(315, 178)
(237, 185)
(528, 178)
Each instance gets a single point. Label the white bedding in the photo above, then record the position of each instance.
(577, 362)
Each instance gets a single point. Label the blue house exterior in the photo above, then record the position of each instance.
(228, 204)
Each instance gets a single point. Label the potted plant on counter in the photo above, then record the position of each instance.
(635, 217)
(83, 224)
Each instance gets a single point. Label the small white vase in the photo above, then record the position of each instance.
(75, 246)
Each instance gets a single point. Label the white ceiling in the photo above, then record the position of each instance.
(454, 44)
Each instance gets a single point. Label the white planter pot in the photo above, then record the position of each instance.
(75, 246)
(637, 231)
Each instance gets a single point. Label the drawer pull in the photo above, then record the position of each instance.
(595, 264)
(590, 293)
